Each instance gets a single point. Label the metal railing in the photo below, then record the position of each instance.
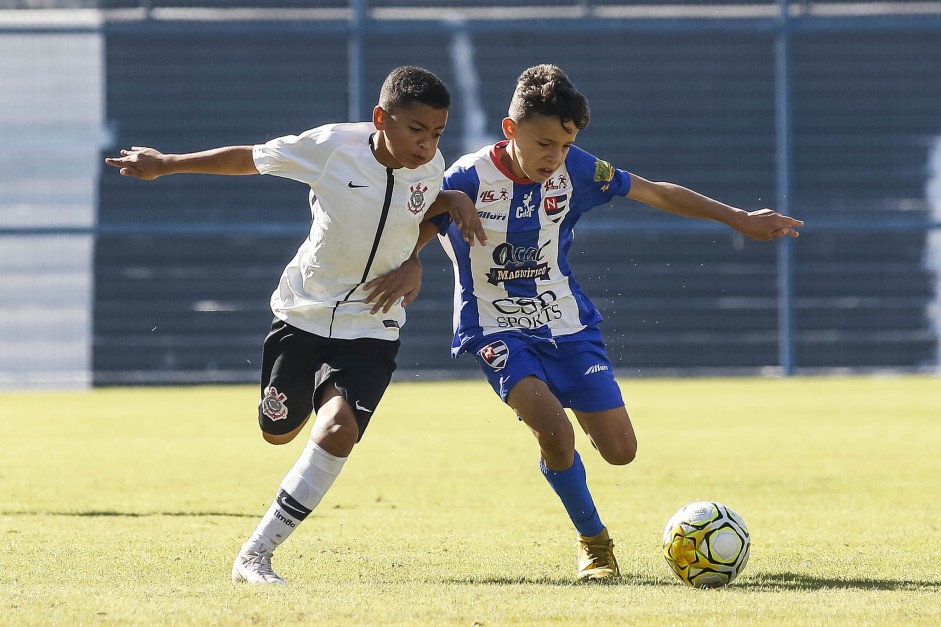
(358, 21)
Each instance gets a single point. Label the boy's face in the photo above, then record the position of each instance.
(538, 145)
(410, 134)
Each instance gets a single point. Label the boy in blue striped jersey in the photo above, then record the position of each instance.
(519, 309)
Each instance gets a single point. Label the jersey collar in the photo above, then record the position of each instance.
(495, 151)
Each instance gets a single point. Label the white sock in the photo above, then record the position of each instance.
(299, 494)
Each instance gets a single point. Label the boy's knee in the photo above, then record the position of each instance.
(620, 455)
(341, 430)
(337, 433)
(558, 442)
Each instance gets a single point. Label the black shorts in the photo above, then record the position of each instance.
(297, 367)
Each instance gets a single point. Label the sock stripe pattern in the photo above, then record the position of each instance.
(298, 495)
(292, 506)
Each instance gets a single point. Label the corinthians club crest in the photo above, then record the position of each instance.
(272, 404)
(416, 200)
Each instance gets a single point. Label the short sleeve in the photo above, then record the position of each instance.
(297, 157)
(596, 180)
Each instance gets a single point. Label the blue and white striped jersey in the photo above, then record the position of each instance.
(521, 280)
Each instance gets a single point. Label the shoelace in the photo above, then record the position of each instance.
(262, 564)
(599, 554)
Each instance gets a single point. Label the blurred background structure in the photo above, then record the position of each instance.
(828, 110)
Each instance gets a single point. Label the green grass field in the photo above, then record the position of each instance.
(128, 505)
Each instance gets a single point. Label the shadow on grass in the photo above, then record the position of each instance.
(769, 582)
(113, 514)
(567, 582)
(796, 581)
(472, 580)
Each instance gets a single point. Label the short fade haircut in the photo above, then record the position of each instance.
(407, 84)
(546, 90)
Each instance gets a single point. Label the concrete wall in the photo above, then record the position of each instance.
(51, 129)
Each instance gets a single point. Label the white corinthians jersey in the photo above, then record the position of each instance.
(521, 280)
(364, 223)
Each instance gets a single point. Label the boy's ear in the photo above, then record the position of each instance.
(379, 116)
(509, 128)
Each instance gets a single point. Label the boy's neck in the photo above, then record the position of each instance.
(507, 156)
(381, 153)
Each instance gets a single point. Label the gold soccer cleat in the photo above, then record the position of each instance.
(596, 557)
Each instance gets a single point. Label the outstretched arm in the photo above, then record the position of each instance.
(763, 224)
(148, 164)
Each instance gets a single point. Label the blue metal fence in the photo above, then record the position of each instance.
(759, 62)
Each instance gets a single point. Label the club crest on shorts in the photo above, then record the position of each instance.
(272, 404)
(416, 201)
(495, 354)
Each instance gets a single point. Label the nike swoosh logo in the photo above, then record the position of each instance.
(353, 185)
(361, 408)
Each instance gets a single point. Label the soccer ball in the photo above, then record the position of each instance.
(706, 544)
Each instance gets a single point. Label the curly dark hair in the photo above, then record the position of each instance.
(546, 90)
(407, 84)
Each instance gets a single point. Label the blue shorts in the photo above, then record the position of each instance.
(575, 367)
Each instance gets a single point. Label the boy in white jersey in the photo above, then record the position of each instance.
(330, 349)
(518, 308)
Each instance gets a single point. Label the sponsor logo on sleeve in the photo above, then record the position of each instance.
(604, 172)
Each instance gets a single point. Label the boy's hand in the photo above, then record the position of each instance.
(140, 163)
(402, 283)
(464, 215)
(766, 224)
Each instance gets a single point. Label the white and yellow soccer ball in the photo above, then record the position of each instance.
(706, 544)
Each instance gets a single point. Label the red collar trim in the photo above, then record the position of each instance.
(498, 148)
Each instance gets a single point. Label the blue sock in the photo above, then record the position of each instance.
(572, 487)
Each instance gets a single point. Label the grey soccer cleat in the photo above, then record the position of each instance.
(253, 564)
